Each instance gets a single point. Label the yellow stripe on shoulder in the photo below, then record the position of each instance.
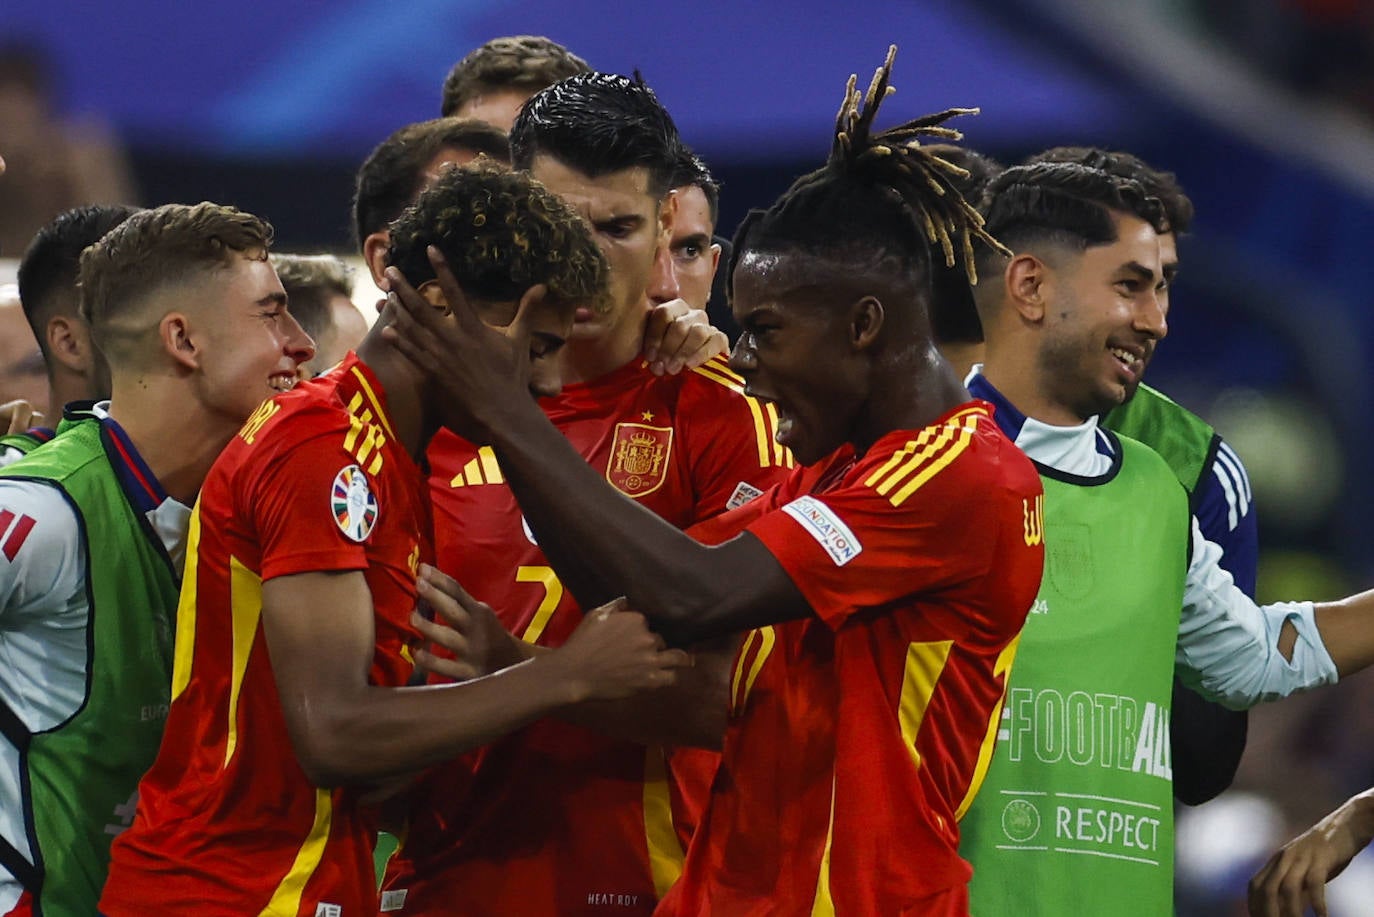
(720, 375)
(921, 459)
(375, 401)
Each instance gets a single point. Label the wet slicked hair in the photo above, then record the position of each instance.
(394, 172)
(1163, 186)
(1062, 204)
(883, 194)
(522, 62)
(599, 123)
(52, 262)
(502, 232)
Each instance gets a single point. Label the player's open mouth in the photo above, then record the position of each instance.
(783, 428)
(281, 382)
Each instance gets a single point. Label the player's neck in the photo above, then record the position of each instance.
(176, 438)
(909, 397)
(64, 388)
(403, 388)
(588, 359)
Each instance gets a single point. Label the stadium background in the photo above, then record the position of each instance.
(1264, 109)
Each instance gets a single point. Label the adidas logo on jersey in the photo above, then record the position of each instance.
(480, 470)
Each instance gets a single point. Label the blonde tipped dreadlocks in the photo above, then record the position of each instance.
(880, 190)
(943, 216)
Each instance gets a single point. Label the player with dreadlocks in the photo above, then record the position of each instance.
(882, 587)
(296, 622)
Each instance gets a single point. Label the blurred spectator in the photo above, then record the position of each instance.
(53, 164)
(319, 291)
(22, 373)
(494, 80)
(1319, 47)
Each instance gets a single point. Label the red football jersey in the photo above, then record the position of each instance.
(859, 735)
(556, 819)
(227, 822)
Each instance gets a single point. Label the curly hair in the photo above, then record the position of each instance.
(502, 232)
(522, 62)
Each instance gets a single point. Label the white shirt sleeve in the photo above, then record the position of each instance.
(43, 604)
(9, 455)
(1228, 646)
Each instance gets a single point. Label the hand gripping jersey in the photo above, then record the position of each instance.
(860, 735)
(227, 822)
(560, 820)
(88, 601)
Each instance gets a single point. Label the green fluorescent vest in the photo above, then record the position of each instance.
(1076, 814)
(81, 777)
(20, 442)
(1181, 438)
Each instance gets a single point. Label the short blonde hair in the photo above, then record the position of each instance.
(153, 250)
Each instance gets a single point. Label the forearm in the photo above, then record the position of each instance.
(582, 525)
(380, 733)
(1238, 653)
(1347, 631)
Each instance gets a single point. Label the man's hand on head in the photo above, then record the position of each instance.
(678, 337)
(479, 370)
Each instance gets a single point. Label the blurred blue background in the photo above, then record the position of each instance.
(1262, 108)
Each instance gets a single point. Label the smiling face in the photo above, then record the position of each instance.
(795, 353)
(249, 347)
(1103, 316)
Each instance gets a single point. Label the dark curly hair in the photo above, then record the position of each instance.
(502, 232)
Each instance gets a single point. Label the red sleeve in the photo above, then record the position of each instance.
(852, 548)
(731, 451)
(301, 509)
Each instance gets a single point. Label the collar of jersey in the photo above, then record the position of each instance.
(1082, 450)
(142, 487)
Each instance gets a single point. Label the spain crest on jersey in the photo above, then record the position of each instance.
(639, 458)
(353, 503)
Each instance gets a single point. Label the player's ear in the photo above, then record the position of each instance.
(433, 295)
(69, 342)
(715, 259)
(866, 318)
(1028, 280)
(179, 341)
(375, 247)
